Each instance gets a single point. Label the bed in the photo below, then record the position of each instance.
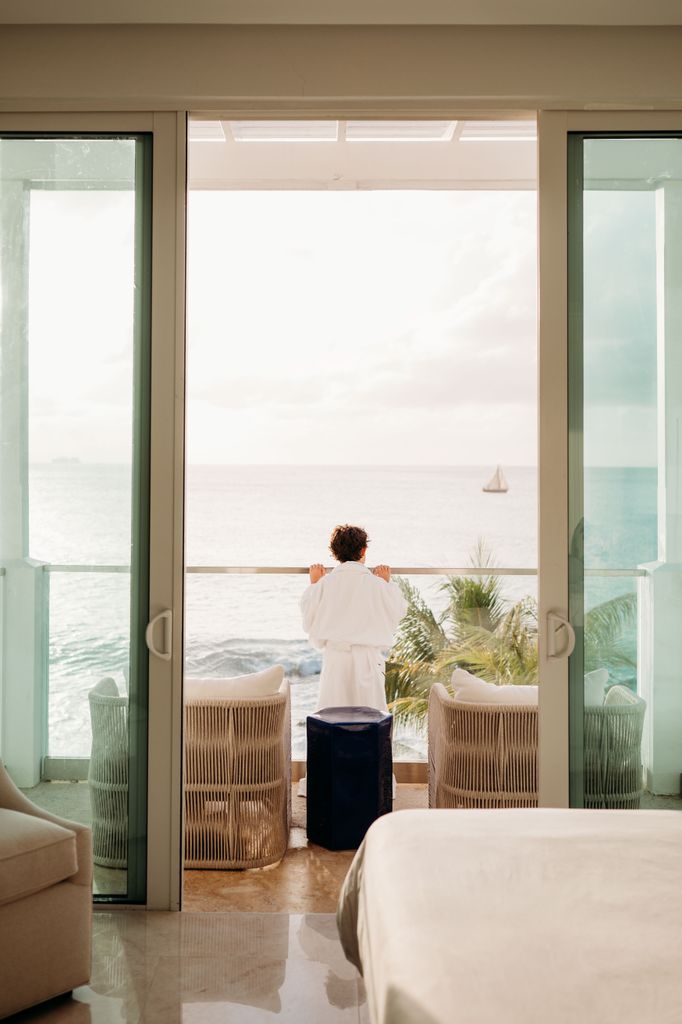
(518, 917)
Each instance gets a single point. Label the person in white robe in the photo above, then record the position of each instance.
(351, 614)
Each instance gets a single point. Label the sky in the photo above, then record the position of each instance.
(372, 327)
(363, 327)
(339, 327)
(81, 325)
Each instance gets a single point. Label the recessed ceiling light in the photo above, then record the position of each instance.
(284, 131)
(206, 131)
(400, 131)
(498, 131)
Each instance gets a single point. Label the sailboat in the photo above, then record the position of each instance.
(497, 484)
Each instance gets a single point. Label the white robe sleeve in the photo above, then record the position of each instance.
(310, 602)
(396, 604)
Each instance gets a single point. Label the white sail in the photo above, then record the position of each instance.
(497, 484)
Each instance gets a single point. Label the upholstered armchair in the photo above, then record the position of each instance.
(45, 902)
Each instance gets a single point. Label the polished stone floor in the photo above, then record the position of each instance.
(212, 969)
(307, 880)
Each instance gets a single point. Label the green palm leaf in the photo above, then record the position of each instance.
(482, 633)
(606, 633)
(421, 634)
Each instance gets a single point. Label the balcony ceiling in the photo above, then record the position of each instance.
(343, 12)
(470, 155)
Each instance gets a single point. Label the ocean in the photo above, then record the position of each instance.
(275, 516)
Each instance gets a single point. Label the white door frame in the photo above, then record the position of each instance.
(166, 553)
(166, 466)
(553, 129)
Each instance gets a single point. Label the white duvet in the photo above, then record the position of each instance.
(518, 917)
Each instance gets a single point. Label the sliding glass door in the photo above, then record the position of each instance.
(75, 230)
(611, 461)
(625, 465)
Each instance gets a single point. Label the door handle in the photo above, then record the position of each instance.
(166, 619)
(555, 624)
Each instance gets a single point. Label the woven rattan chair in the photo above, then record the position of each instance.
(612, 750)
(108, 774)
(237, 780)
(485, 755)
(481, 755)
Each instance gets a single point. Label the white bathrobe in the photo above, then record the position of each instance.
(351, 615)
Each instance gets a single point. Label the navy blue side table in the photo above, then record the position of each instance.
(350, 774)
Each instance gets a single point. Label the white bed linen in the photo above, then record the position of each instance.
(518, 917)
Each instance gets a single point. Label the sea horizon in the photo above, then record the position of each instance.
(257, 515)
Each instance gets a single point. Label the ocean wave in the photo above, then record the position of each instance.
(91, 657)
(240, 657)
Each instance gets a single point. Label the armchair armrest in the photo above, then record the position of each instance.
(14, 800)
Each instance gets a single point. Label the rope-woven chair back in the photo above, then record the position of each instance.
(485, 755)
(612, 754)
(481, 755)
(237, 781)
(108, 776)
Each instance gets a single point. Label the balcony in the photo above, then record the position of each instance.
(93, 642)
(85, 607)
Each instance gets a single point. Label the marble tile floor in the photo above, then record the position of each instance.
(185, 968)
(306, 881)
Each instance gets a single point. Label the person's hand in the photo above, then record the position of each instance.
(383, 572)
(316, 572)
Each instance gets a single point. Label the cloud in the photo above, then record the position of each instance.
(443, 315)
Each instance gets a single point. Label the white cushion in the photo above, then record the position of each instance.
(472, 690)
(106, 687)
(595, 687)
(620, 695)
(257, 684)
(34, 854)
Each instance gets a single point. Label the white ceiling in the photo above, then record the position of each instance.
(344, 12)
(467, 155)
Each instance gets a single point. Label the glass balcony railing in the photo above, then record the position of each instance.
(242, 618)
(260, 606)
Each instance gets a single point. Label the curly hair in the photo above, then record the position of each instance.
(348, 542)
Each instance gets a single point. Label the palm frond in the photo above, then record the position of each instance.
(474, 600)
(609, 620)
(420, 636)
(607, 633)
(507, 654)
(478, 631)
(410, 710)
(408, 679)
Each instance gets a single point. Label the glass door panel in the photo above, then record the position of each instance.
(74, 461)
(625, 503)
